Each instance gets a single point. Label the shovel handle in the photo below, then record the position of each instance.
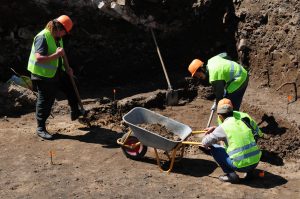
(210, 118)
(161, 60)
(67, 66)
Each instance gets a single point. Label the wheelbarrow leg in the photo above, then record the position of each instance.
(172, 160)
(179, 157)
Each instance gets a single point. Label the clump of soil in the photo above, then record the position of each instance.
(160, 130)
(15, 99)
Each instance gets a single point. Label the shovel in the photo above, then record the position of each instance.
(171, 95)
(84, 119)
(210, 117)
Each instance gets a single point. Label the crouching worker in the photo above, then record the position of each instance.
(240, 152)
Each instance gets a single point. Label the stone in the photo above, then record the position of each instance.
(24, 33)
(242, 45)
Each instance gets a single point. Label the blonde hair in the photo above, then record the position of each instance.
(54, 26)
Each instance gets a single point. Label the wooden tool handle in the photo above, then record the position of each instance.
(67, 67)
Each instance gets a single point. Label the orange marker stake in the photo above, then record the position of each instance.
(51, 154)
(261, 174)
(289, 100)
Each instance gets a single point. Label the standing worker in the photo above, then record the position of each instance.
(228, 78)
(240, 152)
(48, 73)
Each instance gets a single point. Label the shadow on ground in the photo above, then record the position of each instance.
(186, 166)
(271, 158)
(95, 134)
(269, 181)
(272, 126)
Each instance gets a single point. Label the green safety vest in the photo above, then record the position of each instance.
(223, 69)
(240, 115)
(47, 69)
(242, 148)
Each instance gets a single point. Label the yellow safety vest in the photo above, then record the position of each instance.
(231, 72)
(47, 69)
(240, 115)
(242, 148)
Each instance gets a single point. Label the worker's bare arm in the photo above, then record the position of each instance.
(46, 58)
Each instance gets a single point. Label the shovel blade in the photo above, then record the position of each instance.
(171, 97)
(84, 119)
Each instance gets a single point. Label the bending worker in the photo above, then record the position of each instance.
(48, 73)
(240, 152)
(228, 78)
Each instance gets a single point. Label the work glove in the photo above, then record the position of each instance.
(214, 106)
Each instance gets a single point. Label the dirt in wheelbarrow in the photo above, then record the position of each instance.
(160, 130)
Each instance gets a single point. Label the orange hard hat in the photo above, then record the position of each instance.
(224, 106)
(193, 67)
(66, 22)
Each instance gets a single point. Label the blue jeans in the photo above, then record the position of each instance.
(222, 158)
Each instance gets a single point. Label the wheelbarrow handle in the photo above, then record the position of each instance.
(192, 143)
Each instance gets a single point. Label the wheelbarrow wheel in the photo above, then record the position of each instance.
(138, 152)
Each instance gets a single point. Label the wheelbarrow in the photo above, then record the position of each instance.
(136, 141)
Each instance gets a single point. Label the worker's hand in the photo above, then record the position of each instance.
(214, 106)
(60, 51)
(205, 147)
(209, 130)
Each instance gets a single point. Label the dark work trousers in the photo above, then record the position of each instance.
(47, 90)
(237, 96)
(222, 158)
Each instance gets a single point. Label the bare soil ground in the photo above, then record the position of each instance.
(88, 163)
(106, 52)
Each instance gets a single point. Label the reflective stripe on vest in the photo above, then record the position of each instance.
(248, 146)
(255, 129)
(232, 77)
(231, 72)
(47, 66)
(248, 155)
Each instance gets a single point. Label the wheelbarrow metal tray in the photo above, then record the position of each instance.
(141, 115)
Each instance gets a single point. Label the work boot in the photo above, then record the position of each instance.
(229, 177)
(249, 175)
(43, 133)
